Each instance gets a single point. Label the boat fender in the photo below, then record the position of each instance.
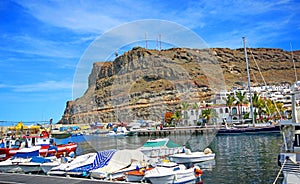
(278, 161)
(176, 169)
(207, 151)
(72, 154)
(84, 173)
(137, 168)
(188, 152)
(198, 172)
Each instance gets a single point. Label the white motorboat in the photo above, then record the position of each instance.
(114, 134)
(30, 167)
(192, 157)
(22, 155)
(161, 147)
(54, 163)
(34, 165)
(11, 165)
(170, 173)
(136, 175)
(79, 161)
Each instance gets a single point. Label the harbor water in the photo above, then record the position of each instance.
(240, 158)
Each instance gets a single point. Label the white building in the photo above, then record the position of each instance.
(194, 116)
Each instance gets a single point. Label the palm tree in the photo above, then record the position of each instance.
(195, 107)
(185, 106)
(177, 117)
(273, 108)
(241, 99)
(260, 105)
(209, 114)
(229, 103)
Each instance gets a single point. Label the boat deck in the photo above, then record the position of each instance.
(38, 179)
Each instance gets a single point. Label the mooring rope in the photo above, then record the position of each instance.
(279, 171)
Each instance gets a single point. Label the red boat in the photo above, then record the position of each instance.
(10, 145)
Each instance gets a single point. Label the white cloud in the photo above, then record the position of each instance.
(27, 44)
(40, 86)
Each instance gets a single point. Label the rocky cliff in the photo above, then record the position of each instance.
(145, 83)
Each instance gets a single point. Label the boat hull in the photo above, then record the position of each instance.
(30, 167)
(8, 166)
(134, 178)
(269, 129)
(61, 135)
(46, 167)
(44, 151)
(161, 179)
(291, 177)
(183, 158)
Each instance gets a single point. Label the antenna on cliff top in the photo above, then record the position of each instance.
(159, 41)
(146, 40)
(294, 62)
(156, 43)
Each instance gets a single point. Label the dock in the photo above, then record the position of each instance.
(196, 130)
(16, 178)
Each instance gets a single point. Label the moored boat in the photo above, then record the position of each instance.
(122, 161)
(47, 146)
(21, 156)
(83, 164)
(161, 147)
(115, 134)
(170, 173)
(192, 157)
(136, 175)
(34, 164)
(47, 166)
(61, 135)
(250, 129)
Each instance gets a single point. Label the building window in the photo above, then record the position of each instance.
(226, 110)
(234, 110)
(185, 116)
(192, 112)
(221, 111)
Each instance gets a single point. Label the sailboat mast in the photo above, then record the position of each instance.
(248, 73)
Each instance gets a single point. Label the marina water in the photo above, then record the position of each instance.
(240, 158)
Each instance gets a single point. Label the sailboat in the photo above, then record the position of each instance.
(255, 128)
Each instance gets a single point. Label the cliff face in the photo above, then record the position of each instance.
(146, 83)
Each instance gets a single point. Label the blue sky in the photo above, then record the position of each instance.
(43, 41)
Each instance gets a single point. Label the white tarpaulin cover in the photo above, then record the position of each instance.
(122, 159)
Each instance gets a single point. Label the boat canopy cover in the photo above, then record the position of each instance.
(172, 144)
(39, 159)
(154, 144)
(101, 159)
(122, 159)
